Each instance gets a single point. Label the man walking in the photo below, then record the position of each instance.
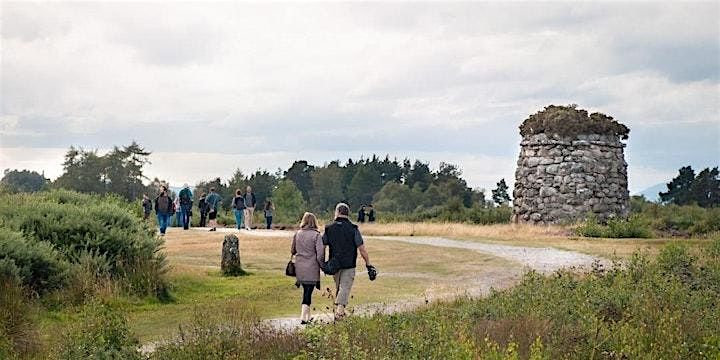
(163, 209)
(249, 207)
(344, 240)
(185, 206)
(213, 202)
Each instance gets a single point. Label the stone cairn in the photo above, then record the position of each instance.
(571, 166)
(230, 263)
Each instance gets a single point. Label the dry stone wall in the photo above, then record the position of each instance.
(562, 179)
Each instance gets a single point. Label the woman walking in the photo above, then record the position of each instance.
(269, 207)
(309, 254)
(239, 208)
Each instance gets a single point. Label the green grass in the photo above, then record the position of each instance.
(408, 272)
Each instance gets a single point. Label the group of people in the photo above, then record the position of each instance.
(243, 206)
(344, 241)
(165, 207)
(366, 212)
(342, 237)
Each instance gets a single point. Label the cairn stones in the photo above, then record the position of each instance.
(230, 263)
(565, 176)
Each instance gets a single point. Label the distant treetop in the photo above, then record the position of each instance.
(571, 121)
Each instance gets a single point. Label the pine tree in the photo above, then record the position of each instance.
(500, 193)
(679, 188)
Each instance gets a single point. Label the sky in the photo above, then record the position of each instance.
(211, 87)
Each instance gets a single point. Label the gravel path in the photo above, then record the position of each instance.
(544, 260)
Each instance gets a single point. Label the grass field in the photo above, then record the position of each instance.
(407, 272)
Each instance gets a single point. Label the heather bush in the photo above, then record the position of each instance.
(37, 264)
(636, 226)
(235, 334)
(101, 333)
(73, 228)
(18, 335)
(571, 121)
(648, 309)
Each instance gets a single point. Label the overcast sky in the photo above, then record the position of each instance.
(210, 87)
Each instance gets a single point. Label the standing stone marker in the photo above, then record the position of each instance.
(230, 263)
(571, 165)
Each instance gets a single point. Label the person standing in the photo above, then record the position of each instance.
(238, 206)
(309, 254)
(147, 206)
(176, 211)
(371, 214)
(163, 209)
(361, 214)
(202, 207)
(185, 197)
(268, 212)
(344, 240)
(213, 203)
(249, 207)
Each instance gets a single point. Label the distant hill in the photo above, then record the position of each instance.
(652, 192)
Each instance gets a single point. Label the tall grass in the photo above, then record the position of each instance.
(649, 308)
(509, 231)
(235, 334)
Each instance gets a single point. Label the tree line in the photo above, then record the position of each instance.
(400, 187)
(389, 184)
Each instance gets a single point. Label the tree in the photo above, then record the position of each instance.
(237, 182)
(262, 183)
(705, 189)
(686, 188)
(327, 187)
(419, 174)
(448, 178)
(84, 171)
(119, 171)
(364, 185)
(299, 173)
(500, 193)
(123, 170)
(397, 198)
(289, 203)
(22, 181)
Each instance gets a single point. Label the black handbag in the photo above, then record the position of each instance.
(290, 268)
(331, 267)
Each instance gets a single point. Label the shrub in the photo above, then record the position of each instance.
(672, 219)
(38, 264)
(650, 309)
(570, 121)
(18, 336)
(236, 334)
(102, 333)
(79, 224)
(635, 226)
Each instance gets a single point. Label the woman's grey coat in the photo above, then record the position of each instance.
(309, 254)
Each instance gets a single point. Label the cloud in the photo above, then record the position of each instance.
(247, 79)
